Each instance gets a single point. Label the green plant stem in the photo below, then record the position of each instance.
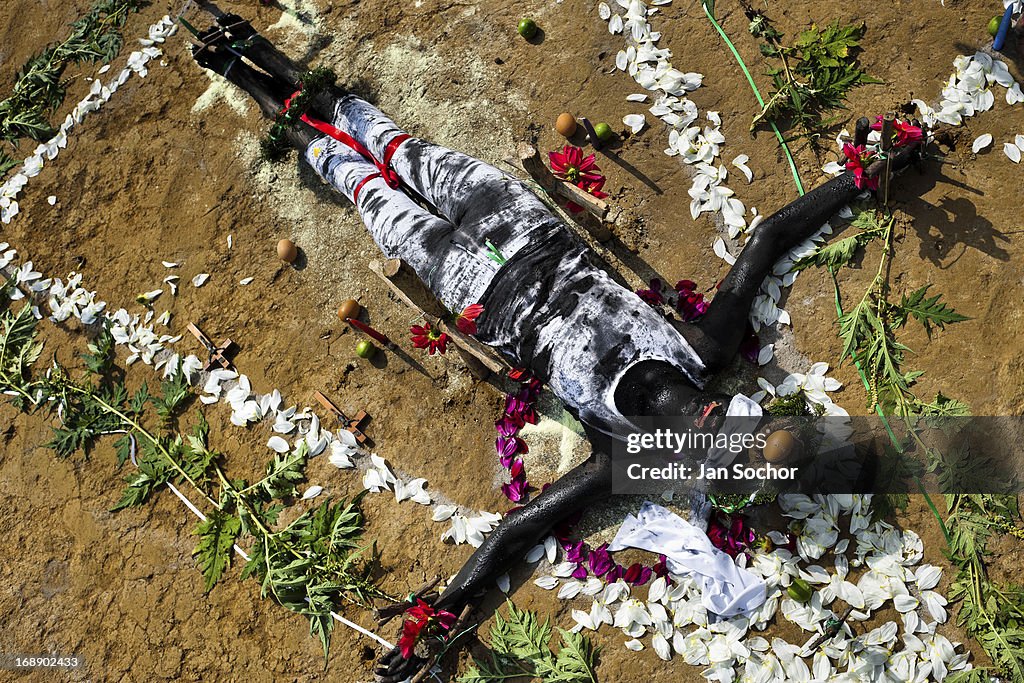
(142, 431)
(886, 254)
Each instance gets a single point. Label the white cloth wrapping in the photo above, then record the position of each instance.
(742, 416)
(727, 589)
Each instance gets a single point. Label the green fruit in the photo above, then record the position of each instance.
(800, 590)
(604, 132)
(993, 25)
(527, 28)
(365, 349)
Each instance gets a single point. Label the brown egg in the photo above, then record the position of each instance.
(349, 308)
(287, 251)
(779, 446)
(565, 124)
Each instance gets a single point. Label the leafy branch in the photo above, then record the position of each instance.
(519, 650)
(869, 329)
(309, 566)
(818, 71)
(992, 614)
(40, 88)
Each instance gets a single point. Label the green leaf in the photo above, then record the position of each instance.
(217, 535)
(284, 473)
(321, 626)
(576, 659)
(137, 403)
(100, 358)
(173, 392)
(519, 649)
(928, 311)
(123, 446)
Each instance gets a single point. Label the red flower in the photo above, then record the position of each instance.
(903, 133)
(519, 374)
(466, 321)
(571, 165)
(857, 160)
(421, 621)
(426, 337)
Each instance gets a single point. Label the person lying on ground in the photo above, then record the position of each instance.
(602, 351)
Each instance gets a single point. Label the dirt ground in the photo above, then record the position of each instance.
(169, 169)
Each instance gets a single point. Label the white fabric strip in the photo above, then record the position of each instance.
(727, 589)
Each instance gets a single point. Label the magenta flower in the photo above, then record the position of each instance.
(653, 295)
(508, 447)
(573, 551)
(614, 574)
(506, 426)
(516, 489)
(690, 303)
(600, 560)
(637, 574)
(571, 165)
(903, 133)
(751, 345)
(730, 534)
(660, 568)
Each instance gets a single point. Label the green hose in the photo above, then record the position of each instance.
(709, 6)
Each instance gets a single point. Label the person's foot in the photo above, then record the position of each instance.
(236, 28)
(213, 53)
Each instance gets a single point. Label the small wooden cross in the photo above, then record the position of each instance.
(218, 353)
(355, 426)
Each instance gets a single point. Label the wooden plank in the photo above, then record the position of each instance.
(478, 356)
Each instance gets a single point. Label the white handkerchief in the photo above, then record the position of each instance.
(727, 590)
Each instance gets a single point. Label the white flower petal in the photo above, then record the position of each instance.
(278, 444)
(636, 122)
(546, 582)
(1012, 151)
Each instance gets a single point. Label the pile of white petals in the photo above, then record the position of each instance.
(872, 567)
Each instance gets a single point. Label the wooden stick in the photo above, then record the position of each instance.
(888, 122)
(480, 358)
(353, 425)
(532, 163)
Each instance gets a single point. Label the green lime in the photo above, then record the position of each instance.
(365, 349)
(527, 28)
(993, 25)
(800, 590)
(604, 132)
